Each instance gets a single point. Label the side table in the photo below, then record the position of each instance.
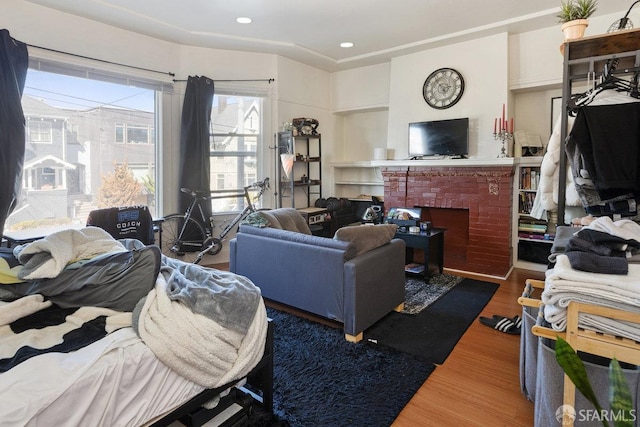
(423, 240)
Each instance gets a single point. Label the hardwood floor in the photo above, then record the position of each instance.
(479, 383)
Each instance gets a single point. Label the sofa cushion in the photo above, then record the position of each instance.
(364, 238)
(286, 219)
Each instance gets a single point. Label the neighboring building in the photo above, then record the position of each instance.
(69, 151)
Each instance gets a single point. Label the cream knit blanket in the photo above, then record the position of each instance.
(195, 346)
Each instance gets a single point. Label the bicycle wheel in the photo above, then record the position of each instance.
(185, 247)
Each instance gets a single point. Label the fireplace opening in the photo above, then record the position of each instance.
(456, 238)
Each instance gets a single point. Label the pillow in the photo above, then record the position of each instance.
(287, 219)
(256, 219)
(364, 238)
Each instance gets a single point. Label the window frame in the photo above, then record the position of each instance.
(65, 64)
(49, 132)
(258, 151)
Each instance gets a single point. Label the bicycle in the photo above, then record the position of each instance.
(186, 238)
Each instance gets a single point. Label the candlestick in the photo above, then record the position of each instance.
(503, 133)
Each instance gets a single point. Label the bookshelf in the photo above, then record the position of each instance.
(532, 238)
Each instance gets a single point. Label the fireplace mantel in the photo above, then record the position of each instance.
(458, 163)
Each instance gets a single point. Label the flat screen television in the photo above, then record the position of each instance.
(439, 138)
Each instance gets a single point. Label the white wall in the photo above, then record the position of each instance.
(365, 88)
(483, 65)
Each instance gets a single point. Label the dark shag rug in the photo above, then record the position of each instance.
(433, 333)
(320, 379)
(420, 294)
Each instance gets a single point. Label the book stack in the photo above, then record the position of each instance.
(530, 228)
(414, 268)
(525, 204)
(530, 178)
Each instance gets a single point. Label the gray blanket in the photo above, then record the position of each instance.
(227, 298)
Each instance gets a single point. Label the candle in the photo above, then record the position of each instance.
(495, 125)
(503, 119)
(511, 131)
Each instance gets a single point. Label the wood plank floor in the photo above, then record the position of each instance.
(479, 383)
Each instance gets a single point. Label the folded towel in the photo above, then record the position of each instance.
(564, 284)
(594, 263)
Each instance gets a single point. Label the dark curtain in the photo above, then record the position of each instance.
(14, 62)
(195, 166)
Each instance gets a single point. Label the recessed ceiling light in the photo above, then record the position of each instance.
(346, 44)
(243, 20)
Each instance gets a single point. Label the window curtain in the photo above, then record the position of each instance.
(14, 62)
(195, 166)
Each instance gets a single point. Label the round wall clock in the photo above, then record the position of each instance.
(443, 88)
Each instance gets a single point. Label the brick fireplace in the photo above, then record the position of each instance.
(474, 204)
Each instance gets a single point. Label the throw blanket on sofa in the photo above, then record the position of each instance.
(31, 326)
(194, 345)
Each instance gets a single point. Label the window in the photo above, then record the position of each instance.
(235, 135)
(100, 149)
(132, 134)
(39, 131)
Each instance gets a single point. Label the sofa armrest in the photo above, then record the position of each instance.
(374, 285)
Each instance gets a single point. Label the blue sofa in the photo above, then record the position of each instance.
(336, 279)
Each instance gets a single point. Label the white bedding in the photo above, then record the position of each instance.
(116, 381)
(119, 379)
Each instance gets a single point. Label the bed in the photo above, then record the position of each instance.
(104, 332)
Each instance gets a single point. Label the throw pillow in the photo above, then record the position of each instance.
(256, 219)
(364, 238)
(287, 219)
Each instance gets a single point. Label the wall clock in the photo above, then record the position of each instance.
(443, 88)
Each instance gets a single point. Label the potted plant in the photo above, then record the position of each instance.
(620, 398)
(574, 17)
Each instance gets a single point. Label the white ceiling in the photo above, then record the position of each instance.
(310, 31)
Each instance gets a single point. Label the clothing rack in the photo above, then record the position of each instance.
(582, 57)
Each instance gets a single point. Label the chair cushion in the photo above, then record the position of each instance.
(364, 238)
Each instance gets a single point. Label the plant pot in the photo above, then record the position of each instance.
(574, 29)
